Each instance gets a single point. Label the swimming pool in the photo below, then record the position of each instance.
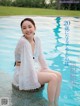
(60, 38)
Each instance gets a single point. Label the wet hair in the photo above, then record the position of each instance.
(27, 19)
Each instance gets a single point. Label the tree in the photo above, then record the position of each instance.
(5, 2)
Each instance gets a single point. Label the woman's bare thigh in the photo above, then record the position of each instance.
(45, 77)
(50, 71)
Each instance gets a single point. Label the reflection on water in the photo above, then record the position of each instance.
(68, 60)
(23, 98)
(62, 52)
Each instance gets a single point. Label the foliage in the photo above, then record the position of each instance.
(27, 3)
(70, 6)
(5, 2)
(53, 4)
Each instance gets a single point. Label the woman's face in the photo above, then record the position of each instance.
(28, 29)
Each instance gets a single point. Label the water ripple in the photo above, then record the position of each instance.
(62, 52)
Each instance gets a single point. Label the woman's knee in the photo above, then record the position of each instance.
(59, 76)
(54, 78)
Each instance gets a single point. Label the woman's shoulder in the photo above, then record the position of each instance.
(37, 38)
(22, 40)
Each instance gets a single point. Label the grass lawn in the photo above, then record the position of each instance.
(10, 11)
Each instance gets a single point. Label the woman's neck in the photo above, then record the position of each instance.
(31, 40)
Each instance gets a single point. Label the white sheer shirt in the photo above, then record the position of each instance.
(25, 75)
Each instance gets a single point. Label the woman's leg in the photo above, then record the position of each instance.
(58, 85)
(52, 81)
(59, 76)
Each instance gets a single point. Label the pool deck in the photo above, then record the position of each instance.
(19, 98)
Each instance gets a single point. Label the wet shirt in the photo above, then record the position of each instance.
(27, 75)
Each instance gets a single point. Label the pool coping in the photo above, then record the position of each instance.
(38, 16)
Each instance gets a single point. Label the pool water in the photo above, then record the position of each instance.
(60, 38)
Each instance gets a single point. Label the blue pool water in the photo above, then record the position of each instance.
(60, 38)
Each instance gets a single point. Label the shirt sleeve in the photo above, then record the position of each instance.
(41, 57)
(27, 76)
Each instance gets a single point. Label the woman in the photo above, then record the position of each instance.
(31, 70)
